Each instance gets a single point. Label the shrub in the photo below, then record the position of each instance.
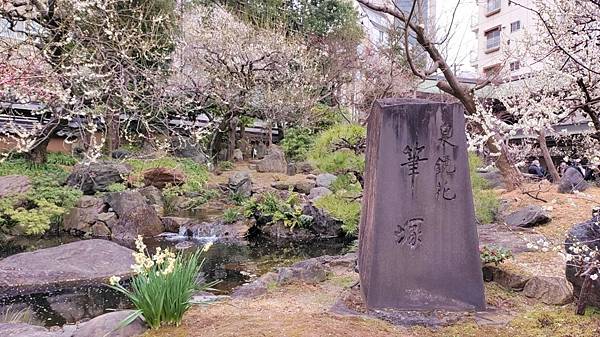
(340, 149)
(163, 285)
(231, 215)
(238, 198)
(296, 143)
(273, 209)
(116, 187)
(485, 200)
(225, 165)
(343, 209)
(35, 211)
(493, 254)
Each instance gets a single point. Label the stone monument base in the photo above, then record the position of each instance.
(351, 303)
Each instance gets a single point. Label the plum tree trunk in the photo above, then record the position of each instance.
(231, 138)
(547, 158)
(39, 154)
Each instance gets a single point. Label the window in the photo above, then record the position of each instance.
(493, 5)
(514, 66)
(515, 26)
(492, 38)
(491, 71)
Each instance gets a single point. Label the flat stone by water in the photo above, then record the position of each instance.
(88, 262)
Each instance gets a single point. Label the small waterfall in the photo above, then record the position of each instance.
(183, 231)
(199, 234)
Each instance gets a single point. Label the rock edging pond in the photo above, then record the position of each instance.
(75, 264)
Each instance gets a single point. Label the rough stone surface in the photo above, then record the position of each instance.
(281, 185)
(26, 330)
(572, 180)
(136, 217)
(13, 185)
(160, 177)
(304, 186)
(154, 197)
(274, 161)
(185, 148)
(325, 179)
(100, 230)
(505, 278)
(107, 326)
(96, 177)
(85, 213)
(494, 178)
(419, 243)
(527, 217)
(241, 183)
(318, 192)
(324, 225)
(173, 223)
(86, 262)
(588, 232)
(304, 167)
(238, 155)
(549, 290)
(291, 169)
(309, 271)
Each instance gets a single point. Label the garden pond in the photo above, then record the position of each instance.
(231, 264)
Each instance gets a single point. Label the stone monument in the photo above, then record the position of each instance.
(418, 247)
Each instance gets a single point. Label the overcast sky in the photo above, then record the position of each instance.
(462, 39)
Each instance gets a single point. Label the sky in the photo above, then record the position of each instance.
(462, 40)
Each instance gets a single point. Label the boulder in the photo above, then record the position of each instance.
(14, 185)
(160, 177)
(185, 148)
(493, 177)
(238, 155)
(279, 231)
(527, 217)
(96, 177)
(107, 325)
(274, 161)
(136, 217)
(26, 330)
(120, 154)
(588, 232)
(281, 185)
(240, 183)
(173, 224)
(261, 151)
(324, 225)
(304, 167)
(84, 215)
(309, 271)
(571, 181)
(506, 278)
(325, 180)
(318, 192)
(291, 169)
(304, 186)
(87, 262)
(154, 198)
(100, 230)
(549, 290)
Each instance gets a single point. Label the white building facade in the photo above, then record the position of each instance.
(501, 27)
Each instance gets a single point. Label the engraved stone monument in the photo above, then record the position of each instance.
(418, 247)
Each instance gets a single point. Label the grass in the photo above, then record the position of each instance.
(12, 315)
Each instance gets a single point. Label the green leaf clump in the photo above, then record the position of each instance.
(343, 209)
(340, 149)
(270, 208)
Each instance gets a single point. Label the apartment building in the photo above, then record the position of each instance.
(500, 26)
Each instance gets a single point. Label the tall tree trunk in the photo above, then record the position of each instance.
(39, 154)
(113, 132)
(231, 141)
(547, 158)
(269, 134)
